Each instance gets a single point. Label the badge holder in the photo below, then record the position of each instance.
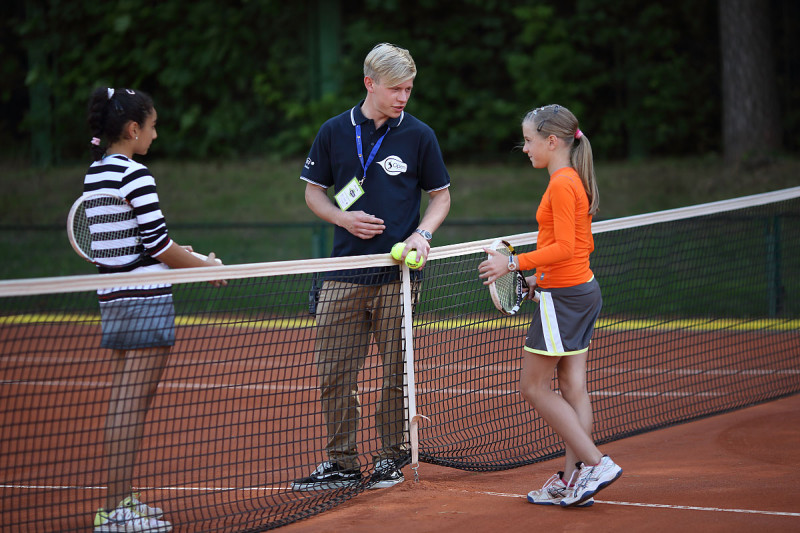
(349, 194)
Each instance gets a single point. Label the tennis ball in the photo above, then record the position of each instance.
(397, 251)
(411, 260)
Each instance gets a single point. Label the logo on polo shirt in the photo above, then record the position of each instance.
(309, 163)
(393, 165)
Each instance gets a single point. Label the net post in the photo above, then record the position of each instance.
(773, 256)
(408, 337)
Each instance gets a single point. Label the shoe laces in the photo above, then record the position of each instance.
(326, 465)
(385, 465)
(123, 514)
(586, 474)
(555, 485)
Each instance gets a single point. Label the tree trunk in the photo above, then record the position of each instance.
(751, 127)
(41, 111)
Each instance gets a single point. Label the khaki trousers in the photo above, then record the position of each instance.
(347, 316)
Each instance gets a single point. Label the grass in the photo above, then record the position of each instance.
(254, 210)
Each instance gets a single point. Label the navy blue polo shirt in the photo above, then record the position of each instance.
(408, 162)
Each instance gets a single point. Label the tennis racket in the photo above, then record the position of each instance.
(102, 228)
(509, 290)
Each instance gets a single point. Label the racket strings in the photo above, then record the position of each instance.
(106, 228)
(508, 289)
(511, 288)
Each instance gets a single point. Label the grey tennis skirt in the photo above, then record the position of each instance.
(134, 323)
(564, 321)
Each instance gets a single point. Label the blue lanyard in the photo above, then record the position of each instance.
(372, 153)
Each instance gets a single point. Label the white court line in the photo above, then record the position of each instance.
(487, 493)
(295, 388)
(652, 505)
(693, 508)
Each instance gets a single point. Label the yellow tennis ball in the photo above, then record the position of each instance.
(411, 260)
(397, 251)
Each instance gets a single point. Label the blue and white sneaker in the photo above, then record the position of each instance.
(591, 480)
(553, 491)
(328, 475)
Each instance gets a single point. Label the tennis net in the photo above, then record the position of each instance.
(701, 315)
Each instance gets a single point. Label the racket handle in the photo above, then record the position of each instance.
(205, 257)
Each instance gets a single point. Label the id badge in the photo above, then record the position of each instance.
(349, 194)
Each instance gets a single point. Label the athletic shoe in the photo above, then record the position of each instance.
(123, 520)
(328, 475)
(386, 475)
(553, 491)
(142, 509)
(591, 480)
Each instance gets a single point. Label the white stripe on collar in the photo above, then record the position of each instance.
(353, 118)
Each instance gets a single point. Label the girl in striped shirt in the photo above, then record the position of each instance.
(138, 321)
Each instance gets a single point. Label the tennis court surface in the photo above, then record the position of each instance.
(699, 337)
(734, 472)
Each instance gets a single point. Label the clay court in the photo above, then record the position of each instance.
(237, 417)
(732, 472)
(728, 472)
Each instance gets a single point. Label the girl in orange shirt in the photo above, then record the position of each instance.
(562, 326)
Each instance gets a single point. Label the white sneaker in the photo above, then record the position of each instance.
(123, 520)
(553, 491)
(139, 507)
(591, 480)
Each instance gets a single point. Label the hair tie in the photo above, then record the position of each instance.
(110, 93)
(95, 141)
(578, 133)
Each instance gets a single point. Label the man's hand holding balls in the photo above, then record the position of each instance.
(411, 257)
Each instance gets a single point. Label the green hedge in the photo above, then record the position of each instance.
(242, 78)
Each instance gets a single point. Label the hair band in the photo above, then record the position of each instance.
(95, 141)
(578, 133)
(110, 93)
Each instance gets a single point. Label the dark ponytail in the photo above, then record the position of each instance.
(109, 111)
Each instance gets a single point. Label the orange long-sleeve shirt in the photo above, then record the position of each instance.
(561, 258)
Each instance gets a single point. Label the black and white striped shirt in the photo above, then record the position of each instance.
(118, 175)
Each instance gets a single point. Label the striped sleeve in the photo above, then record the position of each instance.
(139, 188)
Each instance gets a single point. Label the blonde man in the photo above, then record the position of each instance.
(378, 159)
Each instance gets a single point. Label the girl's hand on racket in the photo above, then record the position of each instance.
(531, 281)
(493, 267)
(184, 256)
(212, 261)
